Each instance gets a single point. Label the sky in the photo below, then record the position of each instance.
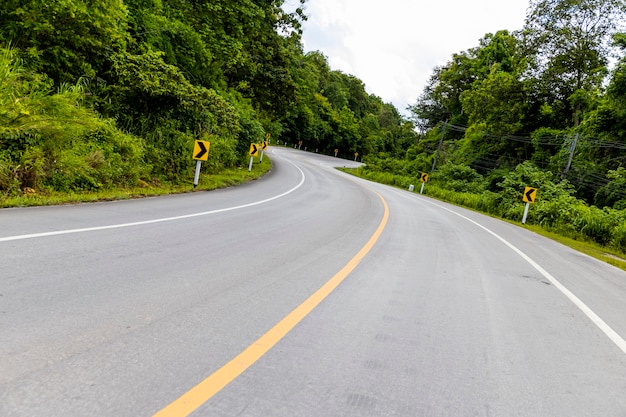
(394, 45)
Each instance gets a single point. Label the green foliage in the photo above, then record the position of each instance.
(555, 209)
(568, 41)
(50, 140)
(619, 235)
(156, 27)
(149, 75)
(65, 39)
(485, 202)
(401, 181)
(251, 132)
(553, 197)
(385, 162)
(498, 102)
(537, 96)
(30, 112)
(333, 111)
(9, 175)
(460, 178)
(170, 72)
(223, 154)
(613, 194)
(156, 101)
(526, 95)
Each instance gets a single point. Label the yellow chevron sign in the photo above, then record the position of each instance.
(201, 150)
(530, 194)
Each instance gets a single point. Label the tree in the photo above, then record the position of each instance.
(569, 42)
(500, 50)
(497, 98)
(155, 100)
(609, 119)
(613, 194)
(498, 101)
(155, 26)
(66, 39)
(441, 99)
(430, 108)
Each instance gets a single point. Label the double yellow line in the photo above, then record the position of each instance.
(201, 393)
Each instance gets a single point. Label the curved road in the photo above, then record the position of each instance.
(305, 293)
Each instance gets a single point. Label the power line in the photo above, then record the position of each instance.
(556, 140)
(585, 181)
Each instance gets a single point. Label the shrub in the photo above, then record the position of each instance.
(593, 223)
(460, 178)
(618, 240)
(223, 154)
(9, 179)
(554, 212)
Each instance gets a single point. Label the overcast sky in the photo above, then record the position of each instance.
(393, 45)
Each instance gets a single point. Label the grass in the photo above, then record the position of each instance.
(602, 253)
(226, 178)
(236, 176)
(592, 249)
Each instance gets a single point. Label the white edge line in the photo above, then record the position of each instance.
(165, 219)
(601, 324)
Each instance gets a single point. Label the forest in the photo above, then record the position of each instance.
(542, 107)
(113, 93)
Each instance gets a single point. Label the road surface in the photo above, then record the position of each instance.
(305, 293)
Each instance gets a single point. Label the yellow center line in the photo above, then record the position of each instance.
(201, 393)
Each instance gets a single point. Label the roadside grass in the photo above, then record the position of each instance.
(207, 182)
(595, 250)
(240, 175)
(592, 249)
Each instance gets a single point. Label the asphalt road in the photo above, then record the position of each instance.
(305, 293)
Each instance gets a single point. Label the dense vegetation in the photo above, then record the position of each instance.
(110, 93)
(538, 107)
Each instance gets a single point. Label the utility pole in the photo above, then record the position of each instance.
(443, 132)
(571, 156)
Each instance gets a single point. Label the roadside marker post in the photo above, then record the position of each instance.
(196, 178)
(525, 213)
(265, 144)
(254, 151)
(424, 180)
(336, 152)
(356, 154)
(200, 153)
(530, 194)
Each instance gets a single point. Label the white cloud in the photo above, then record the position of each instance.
(394, 45)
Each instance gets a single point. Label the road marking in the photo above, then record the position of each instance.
(162, 220)
(601, 324)
(201, 393)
